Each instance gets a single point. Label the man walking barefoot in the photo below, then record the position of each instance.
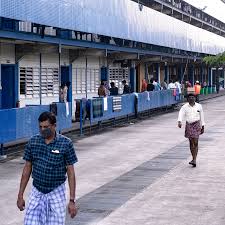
(192, 112)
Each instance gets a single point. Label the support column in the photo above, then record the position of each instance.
(201, 74)
(40, 79)
(104, 73)
(70, 92)
(146, 72)
(166, 77)
(86, 67)
(209, 76)
(17, 91)
(191, 75)
(223, 78)
(0, 86)
(157, 68)
(133, 79)
(59, 62)
(180, 73)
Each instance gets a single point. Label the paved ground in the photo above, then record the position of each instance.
(140, 175)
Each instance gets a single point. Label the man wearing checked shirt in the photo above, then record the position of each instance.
(192, 112)
(49, 157)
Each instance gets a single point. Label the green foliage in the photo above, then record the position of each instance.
(217, 60)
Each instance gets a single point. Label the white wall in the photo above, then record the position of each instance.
(50, 60)
(7, 56)
(92, 63)
(7, 53)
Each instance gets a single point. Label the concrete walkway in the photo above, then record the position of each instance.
(140, 175)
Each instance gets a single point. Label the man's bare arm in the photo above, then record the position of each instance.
(72, 185)
(23, 184)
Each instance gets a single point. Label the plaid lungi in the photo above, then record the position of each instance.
(193, 130)
(97, 107)
(46, 209)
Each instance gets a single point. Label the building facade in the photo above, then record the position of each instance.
(44, 44)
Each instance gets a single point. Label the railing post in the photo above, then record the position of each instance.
(2, 155)
(81, 117)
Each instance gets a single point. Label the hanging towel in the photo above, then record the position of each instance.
(97, 107)
(117, 104)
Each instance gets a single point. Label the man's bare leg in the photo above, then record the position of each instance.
(194, 151)
(195, 142)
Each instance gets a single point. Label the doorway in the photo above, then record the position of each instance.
(9, 83)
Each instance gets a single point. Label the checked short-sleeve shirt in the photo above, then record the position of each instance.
(49, 161)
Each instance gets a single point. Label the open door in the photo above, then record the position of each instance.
(66, 77)
(9, 86)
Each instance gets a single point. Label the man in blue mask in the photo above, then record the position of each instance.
(49, 157)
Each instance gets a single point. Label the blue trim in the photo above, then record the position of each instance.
(16, 82)
(104, 74)
(0, 98)
(86, 44)
(70, 80)
(166, 77)
(132, 79)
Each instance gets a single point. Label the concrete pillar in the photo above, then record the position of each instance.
(201, 74)
(191, 74)
(141, 75)
(166, 75)
(0, 86)
(104, 73)
(40, 79)
(133, 79)
(157, 68)
(146, 72)
(209, 76)
(180, 73)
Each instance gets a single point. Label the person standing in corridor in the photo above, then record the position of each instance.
(49, 158)
(192, 112)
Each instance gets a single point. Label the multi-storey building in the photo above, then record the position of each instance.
(45, 43)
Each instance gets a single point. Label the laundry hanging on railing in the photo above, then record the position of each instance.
(117, 104)
(97, 105)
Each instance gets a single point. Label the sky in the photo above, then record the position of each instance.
(215, 8)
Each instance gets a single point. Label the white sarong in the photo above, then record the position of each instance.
(46, 209)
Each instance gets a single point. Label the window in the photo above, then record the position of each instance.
(117, 75)
(80, 81)
(30, 83)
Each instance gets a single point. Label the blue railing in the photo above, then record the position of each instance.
(155, 99)
(126, 105)
(19, 123)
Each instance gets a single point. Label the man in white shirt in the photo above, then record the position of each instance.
(192, 112)
(171, 85)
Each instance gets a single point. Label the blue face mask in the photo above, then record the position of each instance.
(46, 133)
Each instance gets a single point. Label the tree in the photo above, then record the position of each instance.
(215, 61)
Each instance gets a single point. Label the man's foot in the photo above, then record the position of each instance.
(192, 163)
